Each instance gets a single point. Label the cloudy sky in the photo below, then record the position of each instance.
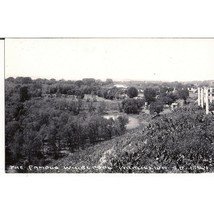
(119, 59)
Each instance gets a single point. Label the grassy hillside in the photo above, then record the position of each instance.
(179, 142)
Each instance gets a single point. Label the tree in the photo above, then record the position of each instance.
(156, 107)
(109, 81)
(26, 80)
(89, 81)
(24, 95)
(102, 107)
(131, 106)
(211, 107)
(183, 94)
(150, 95)
(122, 121)
(79, 83)
(91, 107)
(58, 93)
(163, 90)
(167, 98)
(11, 79)
(132, 92)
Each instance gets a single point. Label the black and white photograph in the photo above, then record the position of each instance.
(109, 105)
(106, 106)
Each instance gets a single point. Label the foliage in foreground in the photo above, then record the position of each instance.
(179, 142)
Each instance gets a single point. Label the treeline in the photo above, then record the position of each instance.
(39, 87)
(173, 85)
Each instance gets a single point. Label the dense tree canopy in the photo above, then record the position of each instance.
(132, 106)
(132, 92)
(156, 107)
(24, 94)
(183, 94)
(45, 118)
(150, 95)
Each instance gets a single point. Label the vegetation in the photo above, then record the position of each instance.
(44, 126)
(132, 106)
(150, 95)
(183, 94)
(211, 107)
(178, 142)
(46, 120)
(132, 92)
(156, 107)
(166, 96)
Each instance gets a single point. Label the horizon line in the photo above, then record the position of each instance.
(114, 80)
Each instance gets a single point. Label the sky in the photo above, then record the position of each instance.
(119, 59)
